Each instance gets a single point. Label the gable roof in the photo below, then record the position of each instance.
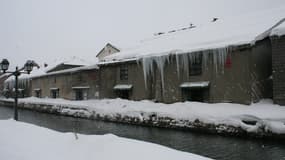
(71, 61)
(107, 45)
(243, 29)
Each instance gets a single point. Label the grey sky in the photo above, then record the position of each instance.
(44, 30)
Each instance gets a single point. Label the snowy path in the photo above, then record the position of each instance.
(21, 141)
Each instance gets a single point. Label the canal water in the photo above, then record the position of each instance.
(213, 146)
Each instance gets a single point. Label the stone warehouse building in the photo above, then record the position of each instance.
(80, 83)
(239, 60)
(239, 74)
(68, 78)
(223, 61)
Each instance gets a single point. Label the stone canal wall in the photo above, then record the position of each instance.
(152, 120)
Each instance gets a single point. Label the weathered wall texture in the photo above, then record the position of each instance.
(278, 66)
(244, 80)
(261, 70)
(65, 82)
(110, 76)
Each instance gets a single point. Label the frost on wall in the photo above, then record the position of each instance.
(183, 60)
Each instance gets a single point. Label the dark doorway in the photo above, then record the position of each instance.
(198, 95)
(124, 94)
(55, 93)
(38, 93)
(78, 95)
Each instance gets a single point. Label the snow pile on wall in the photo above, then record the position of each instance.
(25, 141)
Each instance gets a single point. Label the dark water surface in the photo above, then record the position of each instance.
(213, 146)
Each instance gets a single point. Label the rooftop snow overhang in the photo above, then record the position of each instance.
(193, 85)
(54, 88)
(81, 87)
(19, 89)
(123, 87)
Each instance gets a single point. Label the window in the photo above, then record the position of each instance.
(80, 78)
(195, 67)
(124, 72)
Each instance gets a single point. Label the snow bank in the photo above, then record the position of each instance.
(21, 141)
(262, 117)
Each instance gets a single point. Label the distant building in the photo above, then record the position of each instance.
(80, 83)
(26, 82)
(109, 49)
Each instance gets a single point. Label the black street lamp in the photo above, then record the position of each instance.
(4, 65)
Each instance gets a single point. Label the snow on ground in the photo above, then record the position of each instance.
(265, 113)
(21, 141)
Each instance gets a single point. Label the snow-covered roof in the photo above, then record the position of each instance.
(76, 61)
(243, 29)
(201, 84)
(43, 72)
(54, 88)
(123, 87)
(81, 87)
(71, 70)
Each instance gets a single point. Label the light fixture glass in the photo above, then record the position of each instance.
(4, 65)
(29, 66)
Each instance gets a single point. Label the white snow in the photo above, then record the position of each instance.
(54, 88)
(271, 116)
(279, 30)
(81, 87)
(22, 141)
(42, 71)
(243, 29)
(195, 84)
(123, 86)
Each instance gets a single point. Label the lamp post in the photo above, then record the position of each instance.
(28, 67)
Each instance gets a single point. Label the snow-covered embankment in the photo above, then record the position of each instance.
(262, 119)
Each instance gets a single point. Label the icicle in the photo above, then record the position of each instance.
(219, 58)
(160, 61)
(147, 64)
(177, 65)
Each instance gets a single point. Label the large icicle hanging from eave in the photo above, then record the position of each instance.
(148, 64)
(183, 60)
(219, 58)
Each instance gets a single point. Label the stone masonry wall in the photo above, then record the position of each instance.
(278, 67)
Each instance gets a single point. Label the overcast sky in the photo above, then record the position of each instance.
(44, 30)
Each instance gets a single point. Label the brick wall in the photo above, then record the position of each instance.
(278, 69)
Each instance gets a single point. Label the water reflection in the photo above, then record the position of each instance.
(214, 146)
